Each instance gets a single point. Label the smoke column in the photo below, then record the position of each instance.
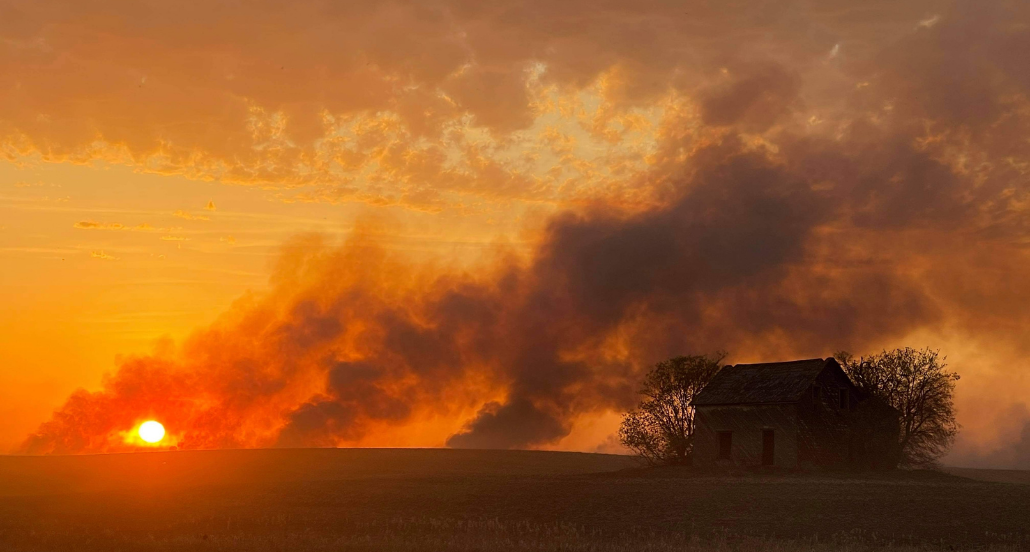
(799, 203)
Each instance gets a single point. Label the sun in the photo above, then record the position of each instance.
(151, 431)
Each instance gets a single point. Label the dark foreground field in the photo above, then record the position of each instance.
(301, 500)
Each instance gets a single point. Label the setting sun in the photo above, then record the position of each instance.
(151, 431)
(521, 274)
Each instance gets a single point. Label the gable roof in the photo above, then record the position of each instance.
(768, 382)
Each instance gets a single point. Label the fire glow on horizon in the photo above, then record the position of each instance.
(518, 207)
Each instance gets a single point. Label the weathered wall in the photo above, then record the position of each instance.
(815, 432)
(875, 435)
(823, 426)
(746, 423)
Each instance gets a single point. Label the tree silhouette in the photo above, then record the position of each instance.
(916, 383)
(661, 428)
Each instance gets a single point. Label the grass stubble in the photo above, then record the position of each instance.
(485, 501)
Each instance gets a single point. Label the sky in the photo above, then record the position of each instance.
(452, 223)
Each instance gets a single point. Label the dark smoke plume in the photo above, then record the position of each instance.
(771, 239)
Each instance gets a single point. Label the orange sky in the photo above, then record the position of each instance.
(540, 198)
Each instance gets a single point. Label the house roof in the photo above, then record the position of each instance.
(768, 382)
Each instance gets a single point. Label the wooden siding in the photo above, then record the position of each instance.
(811, 432)
(747, 424)
(823, 426)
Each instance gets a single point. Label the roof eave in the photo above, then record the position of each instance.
(763, 403)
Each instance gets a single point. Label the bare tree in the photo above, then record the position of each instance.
(916, 383)
(661, 428)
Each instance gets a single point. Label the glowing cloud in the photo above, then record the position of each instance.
(681, 182)
(184, 215)
(102, 256)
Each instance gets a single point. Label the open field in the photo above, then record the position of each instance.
(998, 476)
(324, 499)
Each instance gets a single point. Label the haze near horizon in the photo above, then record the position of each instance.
(477, 225)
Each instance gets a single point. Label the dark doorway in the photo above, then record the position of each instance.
(725, 444)
(768, 447)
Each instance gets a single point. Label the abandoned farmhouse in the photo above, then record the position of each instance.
(798, 414)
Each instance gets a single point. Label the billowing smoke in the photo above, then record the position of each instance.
(351, 341)
(789, 221)
(1010, 449)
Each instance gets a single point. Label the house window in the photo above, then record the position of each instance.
(844, 404)
(725, 444)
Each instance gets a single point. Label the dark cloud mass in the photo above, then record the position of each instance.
(845, 164)
(754, 101)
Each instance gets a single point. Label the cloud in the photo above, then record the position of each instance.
(432, 106)
(754, 98)
(102, 256)
(752, 252)
(929, 21)
(94, 225)
(711, 182)
(184, 215)
(143, 227)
